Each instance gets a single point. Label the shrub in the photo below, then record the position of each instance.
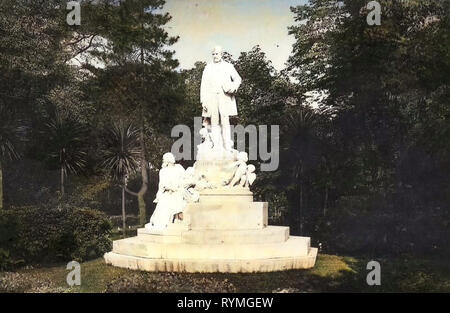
(92, 230)
(42, 234)
(8, 226)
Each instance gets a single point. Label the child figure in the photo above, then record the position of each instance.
(206, 137)
(204, 149)
(190, 194)
(240, 175)
(250, 176)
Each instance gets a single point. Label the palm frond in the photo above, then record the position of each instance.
(11, 133)
(121, 150)
(66, 138)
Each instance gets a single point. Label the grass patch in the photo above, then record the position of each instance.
(331, 274)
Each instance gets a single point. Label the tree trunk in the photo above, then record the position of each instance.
(62, 181)
(301, 208)
(142, 210)
(144, 186)
(1, 186)
(141, 193)
(123, 210)
(301, 199)
(144, 164)
(144, 169)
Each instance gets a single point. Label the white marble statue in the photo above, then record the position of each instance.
(228, 167)
(206, 147)
(240, 174)
(220, 81)
(250, 175)
(202, 183)
(170, 196)
(190, 181)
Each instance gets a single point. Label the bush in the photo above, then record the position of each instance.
(41, 234)
(8, 226)
(5, 261)
(91, 230)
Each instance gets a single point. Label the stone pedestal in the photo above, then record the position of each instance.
(224, 232)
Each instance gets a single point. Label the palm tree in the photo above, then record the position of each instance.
(121, 153)
(66, 137)
(10, 134)
(302, 152)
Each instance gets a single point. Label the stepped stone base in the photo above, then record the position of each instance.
(226, 195)
(212, 266)
(224, 232)
(227, 215)
(270, 234)
(142, 247)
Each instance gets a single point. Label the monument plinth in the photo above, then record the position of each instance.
(205, 219)
(230, 236)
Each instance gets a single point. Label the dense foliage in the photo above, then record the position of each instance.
(382, 162)
(43, 234)
(363, 170)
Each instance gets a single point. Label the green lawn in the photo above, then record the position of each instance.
(331, 274)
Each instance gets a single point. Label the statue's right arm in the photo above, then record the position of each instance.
(237, 80)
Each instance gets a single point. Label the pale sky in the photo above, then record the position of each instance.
(236, 25)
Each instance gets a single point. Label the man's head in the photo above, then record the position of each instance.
(217, 54)
(168, 158)
(242, 156)
(203, 132)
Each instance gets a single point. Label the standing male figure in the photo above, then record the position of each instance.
(220, 81)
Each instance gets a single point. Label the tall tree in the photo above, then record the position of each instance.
(260, 96)
(66, 138)
(121, 156)
(31, 53)
(386, 86)
(138, 79)
(32, 60)
(31, 50)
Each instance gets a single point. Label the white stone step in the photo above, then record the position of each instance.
(232, 194)
(136, 246)
(226, 216)
(269, 234)
(160, 238)
(170, 235)
(174, 229)
(212, 266)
